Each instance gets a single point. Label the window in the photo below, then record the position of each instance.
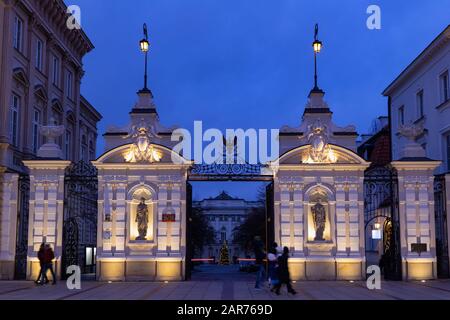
(448, 152)
(83, 155)
(69, 85)
(68, 144)
(56, 71)
(401, 115)
(444, 83)
(39, 53)
(419, 101)
(223, 235)
(35, 128)
(18, 34)
(91, 150)
(14, 133)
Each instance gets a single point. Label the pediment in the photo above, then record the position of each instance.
(121, 155)
(336, 155)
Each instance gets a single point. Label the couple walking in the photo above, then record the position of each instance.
(278, 267)
(45, 256)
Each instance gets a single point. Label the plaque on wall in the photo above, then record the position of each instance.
(419, 247)
(168, 217)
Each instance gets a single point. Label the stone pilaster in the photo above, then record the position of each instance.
(416, 211)
(8, 222)
(46, 211)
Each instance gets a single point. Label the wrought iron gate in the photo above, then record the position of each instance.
(189, 245)
(381, 200)
(440, 208)
(80, 216)
(20, 271)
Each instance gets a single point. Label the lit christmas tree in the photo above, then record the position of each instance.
(224, 256)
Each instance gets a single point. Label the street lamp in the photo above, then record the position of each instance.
(317, 46)
(144, 46)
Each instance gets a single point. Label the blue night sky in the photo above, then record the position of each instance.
(249, 63)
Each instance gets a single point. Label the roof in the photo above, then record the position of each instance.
(224, 196)
(85, 103)
(432, 48)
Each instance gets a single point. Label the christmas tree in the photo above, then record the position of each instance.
(224, 256)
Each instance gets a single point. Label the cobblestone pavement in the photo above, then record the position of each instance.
(225, 285)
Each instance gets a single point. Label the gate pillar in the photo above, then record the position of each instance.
(8, 221)
(46, 211)
(447, 203)
(416, 212)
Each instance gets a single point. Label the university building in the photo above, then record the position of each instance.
(40, 74)
(225, 214)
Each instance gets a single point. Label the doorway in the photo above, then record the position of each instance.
(223, 219)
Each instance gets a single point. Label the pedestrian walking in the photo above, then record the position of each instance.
(283, 273)
(272, 258)
(42, 277)
(259, 261)
(49, 255)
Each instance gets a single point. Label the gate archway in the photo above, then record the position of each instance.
(238, 172)
(80, 217)
(381, 205)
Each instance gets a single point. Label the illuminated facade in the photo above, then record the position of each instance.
(224, 214)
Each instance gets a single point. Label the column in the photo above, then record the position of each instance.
(46, 211)
(416, 210)
(8, 222)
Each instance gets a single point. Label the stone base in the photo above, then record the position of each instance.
(140, 269)
(329, 269)
(419, 269)
(6, 270)
(34, 267)
(350, 270)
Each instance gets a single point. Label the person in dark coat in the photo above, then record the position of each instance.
(42, 277)
(49, 255)
(259, 263)
(283, 273)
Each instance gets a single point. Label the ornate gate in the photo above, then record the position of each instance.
(441, 227)
(381, 200)
(20, 272)
(80, 217)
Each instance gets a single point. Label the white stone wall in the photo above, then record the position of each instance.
(8, 222)
(115, 213)
(345, 212)
(46, 209)
(417, 223)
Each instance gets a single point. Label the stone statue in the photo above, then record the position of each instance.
(142, 220)
(320, 218)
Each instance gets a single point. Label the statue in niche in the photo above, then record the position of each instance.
(320, 218)
(142, 220)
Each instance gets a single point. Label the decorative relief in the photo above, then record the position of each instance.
(142, 150)
(319, 151)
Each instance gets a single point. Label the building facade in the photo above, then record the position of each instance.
(40, 74)
(41, 70)
(224, 214)
(420, 98)
(420, 95)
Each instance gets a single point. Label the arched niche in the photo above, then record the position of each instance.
(319, 218)
(146, 195)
